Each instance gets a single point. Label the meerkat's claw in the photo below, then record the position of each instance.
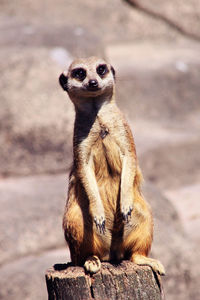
(126, 213)
(159, 268)
(92, 264)
(100, 224)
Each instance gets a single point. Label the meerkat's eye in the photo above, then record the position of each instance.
(102, 70)
(79, 74)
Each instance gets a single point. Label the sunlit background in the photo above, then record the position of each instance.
(155, 50)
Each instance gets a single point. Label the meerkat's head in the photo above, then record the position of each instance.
(88, 78)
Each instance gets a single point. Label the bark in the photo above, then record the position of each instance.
(123, 281)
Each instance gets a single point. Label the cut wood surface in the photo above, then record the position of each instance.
(123, 281)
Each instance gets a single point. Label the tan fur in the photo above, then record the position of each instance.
(105, 179)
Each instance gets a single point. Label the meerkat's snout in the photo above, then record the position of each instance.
(92, 85)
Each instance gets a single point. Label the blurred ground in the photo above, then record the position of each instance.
(158, 90)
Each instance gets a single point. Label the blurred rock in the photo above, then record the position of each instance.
(25, 278)
(61, 56)
(183, 14)
(31, 215)
(173, 247)
(186, 201)
(174, 164)
(158, 81)
(81, 27)
(36, 117)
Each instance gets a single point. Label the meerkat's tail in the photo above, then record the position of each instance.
(92, 264)
(153, 263)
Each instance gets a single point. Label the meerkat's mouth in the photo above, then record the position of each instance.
(93, 88)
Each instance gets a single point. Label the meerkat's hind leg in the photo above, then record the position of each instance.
(153, 263)
(92, 264)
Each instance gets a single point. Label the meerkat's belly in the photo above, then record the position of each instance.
(107, 167)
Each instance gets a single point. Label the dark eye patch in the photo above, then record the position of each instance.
(102, 70)
(79, 74)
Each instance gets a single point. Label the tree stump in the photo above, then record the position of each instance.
(122, 281)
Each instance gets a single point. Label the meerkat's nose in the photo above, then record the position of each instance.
(93, 83)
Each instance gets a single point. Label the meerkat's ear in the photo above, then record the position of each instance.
(63, 79)
(113, 71)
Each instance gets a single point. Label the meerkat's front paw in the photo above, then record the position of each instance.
(92, 264)
(100, 223)
(126, 211)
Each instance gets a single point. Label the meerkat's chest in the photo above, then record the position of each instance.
(106, 153)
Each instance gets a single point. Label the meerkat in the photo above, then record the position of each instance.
(106, 217)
